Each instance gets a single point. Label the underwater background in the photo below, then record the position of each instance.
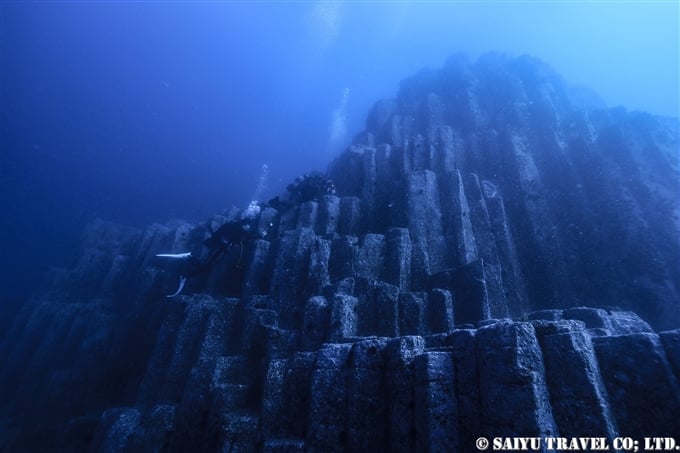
(493, 250)
(138, 112)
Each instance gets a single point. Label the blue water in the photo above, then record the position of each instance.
(138, 112)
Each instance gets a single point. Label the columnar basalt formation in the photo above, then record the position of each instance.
(572, 205)
(439, 296)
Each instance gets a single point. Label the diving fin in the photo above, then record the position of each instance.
(182, 282)
(175, 256)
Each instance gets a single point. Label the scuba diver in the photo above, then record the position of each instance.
(309, 187)
(229, 235)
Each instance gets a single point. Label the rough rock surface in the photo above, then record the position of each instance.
(459, 284)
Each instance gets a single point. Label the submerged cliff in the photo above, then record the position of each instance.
(477, 273)
(589, 197)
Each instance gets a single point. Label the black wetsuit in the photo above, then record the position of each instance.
(227, 236)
